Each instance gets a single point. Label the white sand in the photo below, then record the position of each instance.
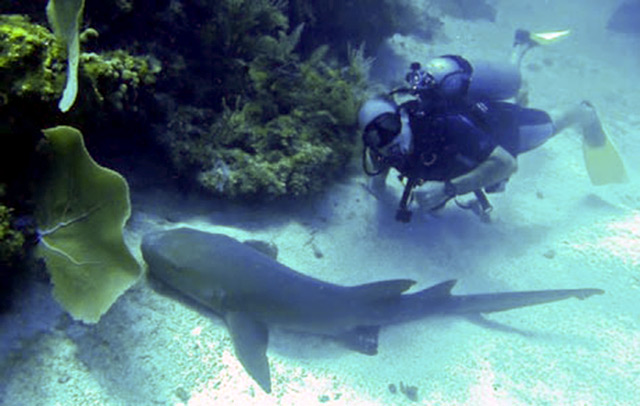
(551, 229)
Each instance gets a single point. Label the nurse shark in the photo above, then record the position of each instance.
(253, 293)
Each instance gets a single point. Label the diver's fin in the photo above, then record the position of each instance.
(250, 339)
(530, 39)
(601, 158)
(525, 40)
(544, 38)
(603, 163)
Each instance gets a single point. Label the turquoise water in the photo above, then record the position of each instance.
(551, 229)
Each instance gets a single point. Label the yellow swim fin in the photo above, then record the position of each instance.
(543, 38)
(604, 164)
(601, 158)
(524, 41)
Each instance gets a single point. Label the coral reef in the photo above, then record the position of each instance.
(32, 76)
(267, 124)
(357, 22)
(11, 240)
(32, 68)
(291, 139)
(116, 77)
(26, 61)
(254, 106)
(12, 250)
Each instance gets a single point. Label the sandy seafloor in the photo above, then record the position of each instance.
(551, 229)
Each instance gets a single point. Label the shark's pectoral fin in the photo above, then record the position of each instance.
(250, 339)
(363, 339)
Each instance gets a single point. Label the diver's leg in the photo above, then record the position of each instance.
(569, 117)
(584, 116)
(502, 80)
(535, 127)
(522, 43)
(525, 40)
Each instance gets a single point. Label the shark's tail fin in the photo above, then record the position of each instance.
(498, 302)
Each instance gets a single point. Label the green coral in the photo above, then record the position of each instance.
(11, 240)
(32, 66)
(286, 127)
(339, 22)
(115, 75)
(27, 60)
(289, 141)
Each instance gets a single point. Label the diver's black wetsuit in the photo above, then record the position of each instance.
(449, 142)
(457, 120)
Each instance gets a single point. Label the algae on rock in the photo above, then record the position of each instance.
(81, 212)
(11, 240)
(31, 75)
(276, 125)
(26, 59)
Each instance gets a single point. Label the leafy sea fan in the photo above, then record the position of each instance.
(65, 17)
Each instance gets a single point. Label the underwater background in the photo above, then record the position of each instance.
(239, 117)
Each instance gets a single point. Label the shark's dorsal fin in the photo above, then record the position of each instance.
(363, 339)
(382, 289)
(440, 290)
(250, 339)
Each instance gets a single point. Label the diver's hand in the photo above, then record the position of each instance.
(432, 195)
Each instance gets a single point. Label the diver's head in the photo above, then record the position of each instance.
(379, 121)
(448, 76)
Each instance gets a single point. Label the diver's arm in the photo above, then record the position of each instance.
(496, 168)
(499, 166)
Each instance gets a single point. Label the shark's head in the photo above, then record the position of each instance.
(178, 258)
(162, 254)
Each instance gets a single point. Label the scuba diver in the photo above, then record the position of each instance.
(457, 134)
